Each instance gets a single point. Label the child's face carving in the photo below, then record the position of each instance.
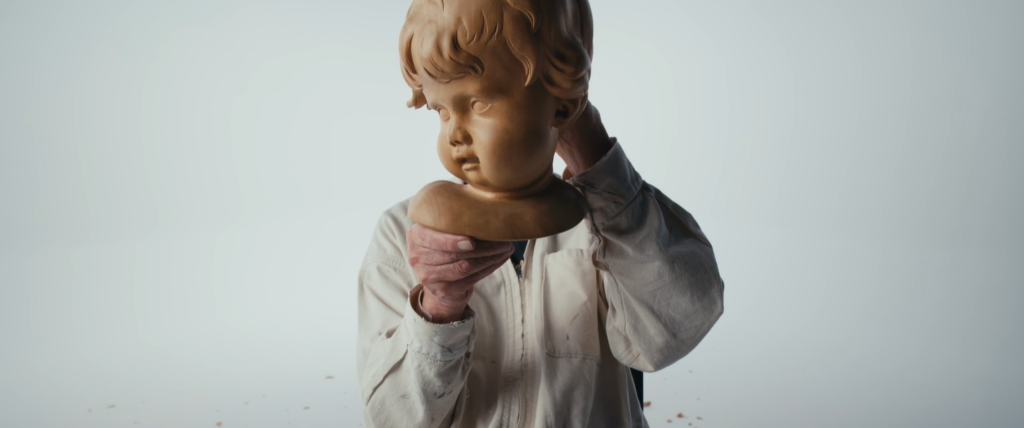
(496, 134)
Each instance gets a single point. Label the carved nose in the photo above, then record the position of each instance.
(457, 135)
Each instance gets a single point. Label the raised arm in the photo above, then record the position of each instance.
(660, 281)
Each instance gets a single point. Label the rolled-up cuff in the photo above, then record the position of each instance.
(438, 341)
(610, 185)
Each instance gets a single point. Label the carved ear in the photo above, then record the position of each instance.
(568, 110)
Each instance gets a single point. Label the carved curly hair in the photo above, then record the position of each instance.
(553, 39)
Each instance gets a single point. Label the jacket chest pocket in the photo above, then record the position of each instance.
(569, 305)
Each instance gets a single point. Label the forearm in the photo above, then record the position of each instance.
(418, 391)
(411, 372)
(666, 283)
(658, 270)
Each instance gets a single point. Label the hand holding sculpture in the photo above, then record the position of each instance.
(449, 266)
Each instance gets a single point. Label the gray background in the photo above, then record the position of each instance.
(187, 189)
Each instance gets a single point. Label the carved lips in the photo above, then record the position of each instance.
(469, 164)
(466, 159)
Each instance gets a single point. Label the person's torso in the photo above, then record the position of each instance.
(541, 356)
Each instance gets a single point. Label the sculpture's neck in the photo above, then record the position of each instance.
(524, 192)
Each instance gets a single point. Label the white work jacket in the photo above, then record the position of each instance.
(633, 285)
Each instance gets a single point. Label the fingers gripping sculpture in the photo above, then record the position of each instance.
(505, 77)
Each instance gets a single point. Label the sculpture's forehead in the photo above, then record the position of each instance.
(501, 74)
(487, 85)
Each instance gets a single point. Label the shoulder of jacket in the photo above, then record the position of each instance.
(395, 220)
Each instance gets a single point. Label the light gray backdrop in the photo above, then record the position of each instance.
(187, 189)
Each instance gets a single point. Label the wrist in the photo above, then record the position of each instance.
(582, 159)
(441, 312)
(585, 142)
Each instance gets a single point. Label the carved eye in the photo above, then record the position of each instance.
(443, 112)
(480, 106)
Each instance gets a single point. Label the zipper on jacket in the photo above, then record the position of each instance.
(524, 385)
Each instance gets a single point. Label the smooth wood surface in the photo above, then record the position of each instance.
(505, 78)
(460, 209)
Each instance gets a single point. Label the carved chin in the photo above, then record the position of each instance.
(455, 169)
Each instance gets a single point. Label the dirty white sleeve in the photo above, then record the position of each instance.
(412, 372)
(658, 271)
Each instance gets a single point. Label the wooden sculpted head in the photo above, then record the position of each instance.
(504, 76)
